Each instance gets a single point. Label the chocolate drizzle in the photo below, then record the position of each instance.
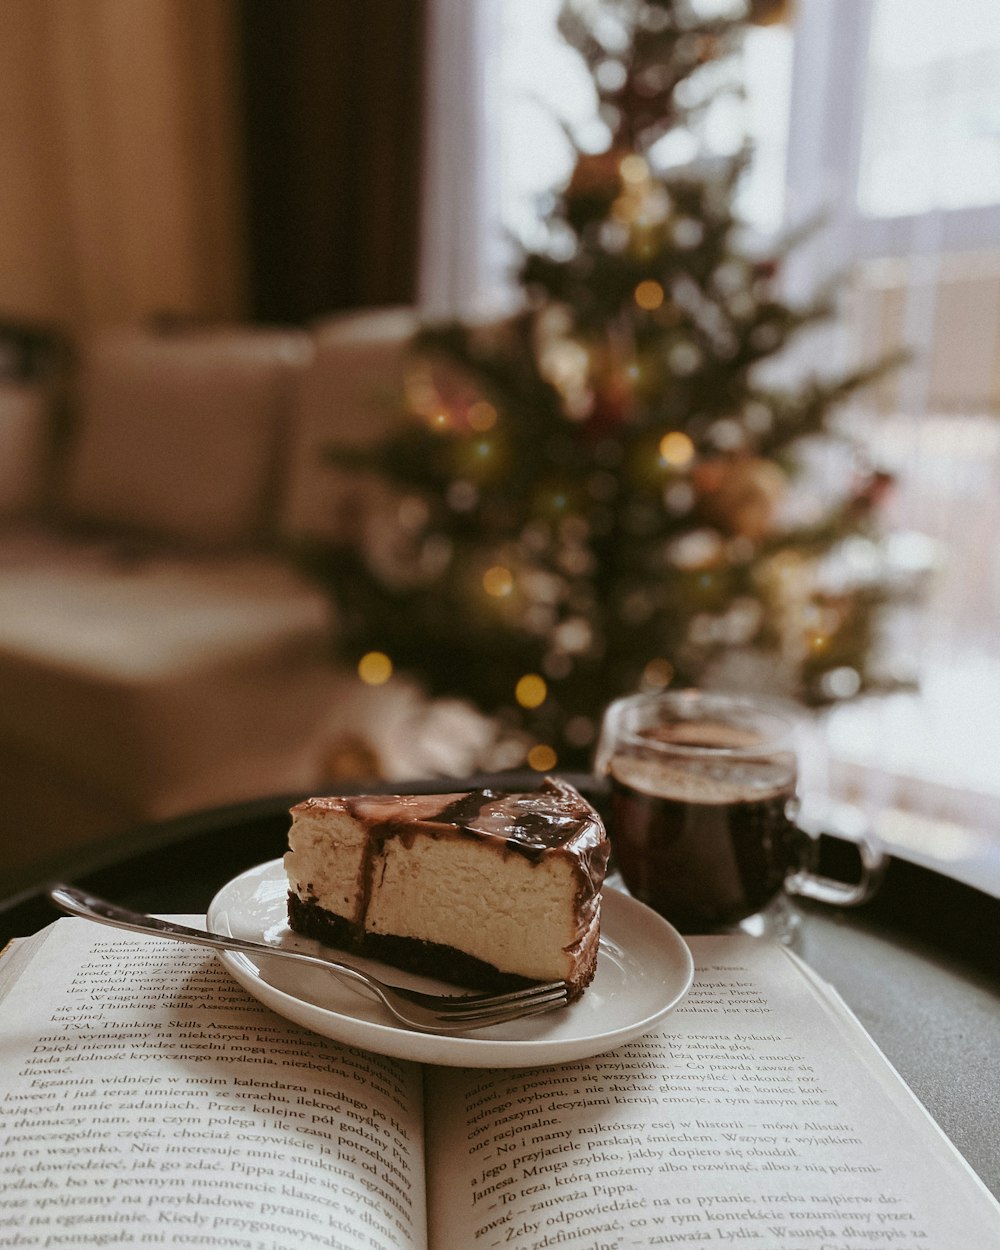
(467, 807)
(529, 824)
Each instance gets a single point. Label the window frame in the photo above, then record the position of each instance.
(829, 72)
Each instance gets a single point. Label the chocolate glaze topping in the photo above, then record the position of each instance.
(553, 818)
(528, 823)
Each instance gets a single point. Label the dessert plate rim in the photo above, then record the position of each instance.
(644, 970)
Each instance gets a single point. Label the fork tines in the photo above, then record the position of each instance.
(497, 1008)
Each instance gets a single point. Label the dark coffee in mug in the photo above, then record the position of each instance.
(705, 841)
(703, 812)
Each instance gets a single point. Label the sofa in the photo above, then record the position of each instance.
(161, 650)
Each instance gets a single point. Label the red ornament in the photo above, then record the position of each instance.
(612, 404)
(872, 492)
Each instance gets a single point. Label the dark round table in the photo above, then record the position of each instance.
(919, 964)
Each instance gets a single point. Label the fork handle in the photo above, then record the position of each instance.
(81, 903)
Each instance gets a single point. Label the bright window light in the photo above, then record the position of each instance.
(931, 136)
(543, 86)
(544, 89)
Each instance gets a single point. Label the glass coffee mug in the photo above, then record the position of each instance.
(704, 814)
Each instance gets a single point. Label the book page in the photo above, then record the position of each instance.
(758, 1116)
(149, 1100)
(14, 958)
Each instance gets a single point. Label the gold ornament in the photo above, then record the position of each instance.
(597, 175)
(741, 494)
(771, 12)
(351, 757)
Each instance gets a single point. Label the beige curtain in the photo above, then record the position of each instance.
(120, 182)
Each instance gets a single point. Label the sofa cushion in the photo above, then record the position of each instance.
(180, 435)
(25, 431)
(166, 683)
(349, 394)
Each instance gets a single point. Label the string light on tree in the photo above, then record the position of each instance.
(677, 449)
(482, 416)
(649, 294)
(531, 690)
(542, 758)
(498, 581)
(375, 668)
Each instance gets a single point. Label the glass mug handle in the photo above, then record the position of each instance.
(850, 825)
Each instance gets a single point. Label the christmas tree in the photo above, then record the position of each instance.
(592, 496)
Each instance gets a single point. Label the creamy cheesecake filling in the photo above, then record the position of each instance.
(511, 882)
(445, 891)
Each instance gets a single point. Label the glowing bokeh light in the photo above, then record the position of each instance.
(649, 295)
(676, 449)
(498, 581)
(375, 668)
(482, 416)
(633, 168)
(531, 691)
(542, 758)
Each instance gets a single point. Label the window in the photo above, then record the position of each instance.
(931, 113)
(895, 125)
(544, 86)
(895, 136)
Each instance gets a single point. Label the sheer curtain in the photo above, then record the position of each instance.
(500, 86)
(461, 226)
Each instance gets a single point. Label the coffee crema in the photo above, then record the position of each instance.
(711, 735)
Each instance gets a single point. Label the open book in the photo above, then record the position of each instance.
(150, 1101)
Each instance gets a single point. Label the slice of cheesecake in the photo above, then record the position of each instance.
(483, 889)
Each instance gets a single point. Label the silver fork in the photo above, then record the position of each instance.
(430, 1013)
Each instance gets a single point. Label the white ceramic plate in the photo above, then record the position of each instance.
(644, 970)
